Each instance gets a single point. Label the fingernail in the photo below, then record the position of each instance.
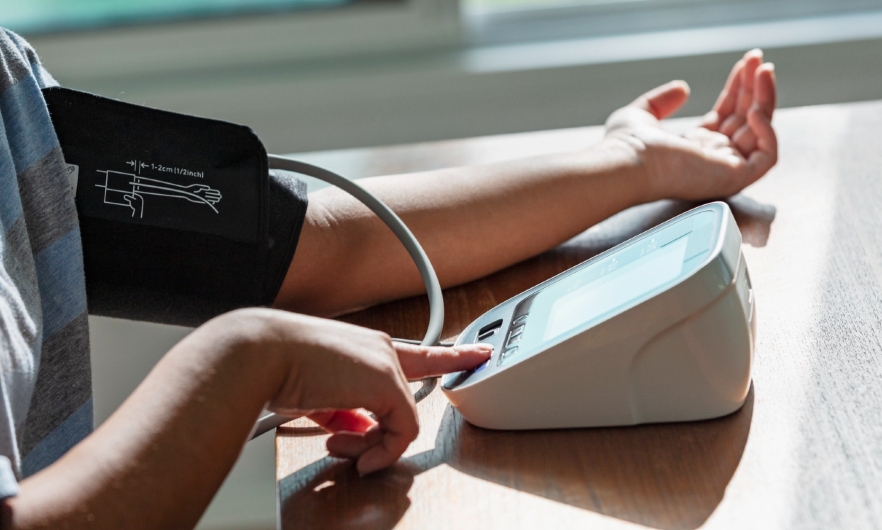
(771, 66)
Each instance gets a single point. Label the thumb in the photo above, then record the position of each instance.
(665, 100)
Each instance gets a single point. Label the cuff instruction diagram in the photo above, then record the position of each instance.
(131, 191)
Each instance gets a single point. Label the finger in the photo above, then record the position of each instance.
(710, 121)
(745, 140)
(351, 444)
(765, 91)
(744, 97)
(418, 362)
(629, 116)
(752, 60)
(663, 101)
(725, 104)
(343, 420)
(732, 123)
(400, 427)
(765, 156)
(764, 99)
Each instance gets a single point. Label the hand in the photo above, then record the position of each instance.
(733, 147)
(208, 193)
(340, 367)
(136, 203)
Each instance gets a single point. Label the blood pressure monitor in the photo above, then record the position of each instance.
(658, 329)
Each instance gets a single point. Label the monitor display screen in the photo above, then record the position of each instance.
(602, 289)
(587, 302)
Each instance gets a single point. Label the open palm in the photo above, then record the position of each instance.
(734, 145)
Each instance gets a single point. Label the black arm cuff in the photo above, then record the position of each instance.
(180, 218)
(174, 277)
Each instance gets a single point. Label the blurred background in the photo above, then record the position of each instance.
(311, 75)
(325, 74)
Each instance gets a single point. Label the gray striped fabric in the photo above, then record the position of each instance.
(45, 384)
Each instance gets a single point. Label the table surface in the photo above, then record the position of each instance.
(805, 451)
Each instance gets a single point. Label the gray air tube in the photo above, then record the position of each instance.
(433, 286)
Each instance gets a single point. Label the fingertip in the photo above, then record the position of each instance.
(767, 69)
(682, 85)
(751, 64)
(766, 73)
(468, 356)
(711, 121)
(664, 100)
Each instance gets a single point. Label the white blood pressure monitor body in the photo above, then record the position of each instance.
(658, 329)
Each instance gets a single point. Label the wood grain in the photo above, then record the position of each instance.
(804, 452)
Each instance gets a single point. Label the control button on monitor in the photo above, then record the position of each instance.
(507, 353)
(517, 330)
(520, 320)
(514, 339)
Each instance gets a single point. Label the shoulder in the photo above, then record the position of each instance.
(19, 60)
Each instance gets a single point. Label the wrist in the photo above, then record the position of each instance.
(251, 344)
(625, 157)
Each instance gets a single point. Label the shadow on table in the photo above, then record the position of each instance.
(667, 476)
(754, 219)
(329, 494)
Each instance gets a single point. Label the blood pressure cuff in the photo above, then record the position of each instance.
(180, 218)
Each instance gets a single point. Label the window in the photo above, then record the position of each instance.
(49, 15)
(143, 39)
(506, 21)
(133, 39)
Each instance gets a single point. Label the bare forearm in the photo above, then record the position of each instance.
(471, 221)
(157, 462)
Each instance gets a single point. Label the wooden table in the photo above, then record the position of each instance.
(804, 452)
